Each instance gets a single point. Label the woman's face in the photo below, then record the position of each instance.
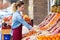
(21, 8)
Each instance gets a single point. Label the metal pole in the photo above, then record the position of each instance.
(30, 9)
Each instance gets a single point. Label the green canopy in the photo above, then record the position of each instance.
(57, 2)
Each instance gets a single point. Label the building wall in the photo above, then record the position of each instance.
(40, 10)
(26, 3)
(1, 3)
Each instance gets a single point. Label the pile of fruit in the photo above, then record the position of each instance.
(47, 20)
(49, 37)
(30, 33)
(53, 26)
(49, 23)
(26, 18)
(8, 19)
(56, 6)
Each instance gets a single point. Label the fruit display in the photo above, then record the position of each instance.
(54, 8)
(8, 20)
(47, 20)
(52, 27)
(50, 30)
(55, 26)
(49, 37)
(51, 23)
(29, 34)
(58, 9)
(26, 18)
(33, 37)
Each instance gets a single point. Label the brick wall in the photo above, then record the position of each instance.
(1, 4)
(40, 10)
(26, 2)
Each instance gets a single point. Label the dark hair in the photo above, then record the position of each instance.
(17, 4)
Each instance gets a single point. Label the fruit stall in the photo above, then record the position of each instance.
(49, 28)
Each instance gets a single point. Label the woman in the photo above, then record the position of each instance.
(17, 21)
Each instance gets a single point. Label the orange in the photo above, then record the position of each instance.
(53, 38)
(47, 36)
(57, 38)
(49, 39)
(45, 39)
(58, 35)
(40, 39)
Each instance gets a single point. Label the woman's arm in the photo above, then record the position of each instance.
(20, 19)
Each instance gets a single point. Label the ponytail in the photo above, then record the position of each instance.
(16, 5)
